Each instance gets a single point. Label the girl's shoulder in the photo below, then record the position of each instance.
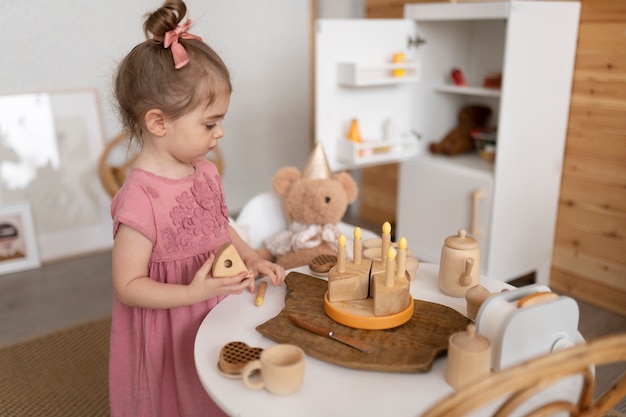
(207, 166)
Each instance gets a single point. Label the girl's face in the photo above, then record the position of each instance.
(195, 134)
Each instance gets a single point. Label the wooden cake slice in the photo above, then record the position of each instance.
(227, 262)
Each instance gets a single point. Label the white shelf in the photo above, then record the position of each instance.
(352, 74)
(376, 151)
(468, 90)
(470, 162)
(463, 11)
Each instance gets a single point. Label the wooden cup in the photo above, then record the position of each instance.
(469, 358)
(280, 370)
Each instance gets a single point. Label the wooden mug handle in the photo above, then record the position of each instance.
(247, 371)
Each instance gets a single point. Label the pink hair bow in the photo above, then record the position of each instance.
(178, 51)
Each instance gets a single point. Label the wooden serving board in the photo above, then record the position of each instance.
(409, 348)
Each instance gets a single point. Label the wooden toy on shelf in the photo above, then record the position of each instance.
(354, 134)
(370, 293)
(398, 58)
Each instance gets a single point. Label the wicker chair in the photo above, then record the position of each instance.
(517, 384)
(112, 171)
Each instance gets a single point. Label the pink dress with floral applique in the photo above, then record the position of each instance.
(151, 364)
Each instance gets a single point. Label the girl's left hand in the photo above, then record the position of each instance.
(274, 272)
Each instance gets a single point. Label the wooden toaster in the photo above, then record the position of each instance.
(527, 322)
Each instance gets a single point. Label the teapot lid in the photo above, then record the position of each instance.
(461, 241)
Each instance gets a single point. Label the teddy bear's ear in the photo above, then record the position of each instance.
(284, 177)
(349, 185)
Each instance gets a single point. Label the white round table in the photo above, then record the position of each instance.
(328, 389)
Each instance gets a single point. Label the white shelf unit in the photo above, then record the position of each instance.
(511, 204)
(354, 74)
(354, 80)
(469, 90)
(372, 152)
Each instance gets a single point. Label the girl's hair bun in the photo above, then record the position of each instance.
(165, 18)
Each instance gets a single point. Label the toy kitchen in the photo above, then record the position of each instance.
(386, 89)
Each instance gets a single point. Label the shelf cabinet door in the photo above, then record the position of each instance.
(516, 214)
(436, 201)
(354, 80)
(537, 64)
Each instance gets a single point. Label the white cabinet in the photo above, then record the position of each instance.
(511, 203)
(453, 193)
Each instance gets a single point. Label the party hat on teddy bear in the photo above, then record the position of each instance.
(317, 167)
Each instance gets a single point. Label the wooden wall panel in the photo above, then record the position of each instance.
(592, 198)
(379, 190)
(603, 11)
(589, 258)
(598, 170)
(592, 243)
(598, 141)
(607, 88)
(607, 273)
(588, 289)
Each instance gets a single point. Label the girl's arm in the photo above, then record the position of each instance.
(131, 254)
(254, 262)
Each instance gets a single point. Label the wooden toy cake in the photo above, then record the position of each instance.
(366, 293)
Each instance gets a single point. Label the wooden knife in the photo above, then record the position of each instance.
(330, 333)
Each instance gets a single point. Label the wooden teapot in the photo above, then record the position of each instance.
(459, 268)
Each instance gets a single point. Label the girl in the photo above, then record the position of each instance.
(169, 219)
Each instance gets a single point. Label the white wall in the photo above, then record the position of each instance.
(70, 44)
(340, 9)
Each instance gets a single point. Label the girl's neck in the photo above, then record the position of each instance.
(163, 166)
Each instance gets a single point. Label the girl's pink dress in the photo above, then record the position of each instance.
(151, 365)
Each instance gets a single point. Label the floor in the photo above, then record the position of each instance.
(65, 293)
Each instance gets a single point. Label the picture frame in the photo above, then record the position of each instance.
(50, 143)
(18, 243)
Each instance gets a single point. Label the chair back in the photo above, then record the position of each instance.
(515, 386)
(118, 156)
(263, 217)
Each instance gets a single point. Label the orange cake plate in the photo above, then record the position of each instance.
(359, 314)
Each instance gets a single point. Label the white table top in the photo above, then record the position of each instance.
(328, 389)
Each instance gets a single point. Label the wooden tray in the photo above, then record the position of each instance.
(409, 348)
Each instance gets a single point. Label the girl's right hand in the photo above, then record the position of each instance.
(205, 286)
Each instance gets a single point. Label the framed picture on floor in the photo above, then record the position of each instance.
(50, 143)
(18, 244)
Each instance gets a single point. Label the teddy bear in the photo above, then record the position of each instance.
(314, 202)
(459, 140)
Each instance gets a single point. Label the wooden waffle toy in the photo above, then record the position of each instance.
(234, 356)
(321, 264)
